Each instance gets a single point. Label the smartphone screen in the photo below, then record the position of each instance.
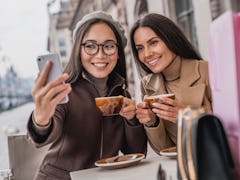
(56, 69)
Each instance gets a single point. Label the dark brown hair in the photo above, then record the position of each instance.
(169, 33)
(74, 67)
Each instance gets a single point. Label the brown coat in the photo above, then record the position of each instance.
(194, 91)
(80, 135)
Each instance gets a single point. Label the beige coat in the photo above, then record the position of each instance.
(194, 90)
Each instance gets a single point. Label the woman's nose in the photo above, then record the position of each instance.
(147, 52)
(100, 53)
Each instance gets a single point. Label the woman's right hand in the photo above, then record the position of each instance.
(145, 114)
(47, 96)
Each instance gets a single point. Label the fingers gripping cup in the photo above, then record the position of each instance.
(109, 106)
(157, 98)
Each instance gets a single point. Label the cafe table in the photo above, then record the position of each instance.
(147, 169)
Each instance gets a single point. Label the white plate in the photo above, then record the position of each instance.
(169, 152)
(120, 161)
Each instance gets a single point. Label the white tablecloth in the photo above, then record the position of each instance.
(147, 169)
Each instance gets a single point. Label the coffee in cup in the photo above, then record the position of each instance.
(157, 98)
(109, 106)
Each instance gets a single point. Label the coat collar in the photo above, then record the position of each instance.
(114, 81)
(115, 78)
(189, 73)
(172, 71)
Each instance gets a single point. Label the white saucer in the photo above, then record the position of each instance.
(120, 161)
(169, 152)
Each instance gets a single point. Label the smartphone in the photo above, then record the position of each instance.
(56, 69)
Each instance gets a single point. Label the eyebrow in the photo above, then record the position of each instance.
(91, 40)
(148, 40)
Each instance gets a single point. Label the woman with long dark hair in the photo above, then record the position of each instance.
(167, 63)
(79, 134)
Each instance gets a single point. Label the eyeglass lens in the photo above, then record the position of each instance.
(92, 48)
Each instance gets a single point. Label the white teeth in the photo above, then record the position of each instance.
(100, 64)
(153, 61)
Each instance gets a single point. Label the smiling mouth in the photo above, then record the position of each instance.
(153, 62)
(100, 65)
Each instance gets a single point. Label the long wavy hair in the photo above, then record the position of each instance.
(74, 66)
(169, 33)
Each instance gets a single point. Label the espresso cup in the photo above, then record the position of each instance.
(157, 98)
(109, 106)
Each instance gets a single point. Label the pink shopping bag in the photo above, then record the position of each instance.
(224, 69)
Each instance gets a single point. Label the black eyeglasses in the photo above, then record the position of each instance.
(92, 48)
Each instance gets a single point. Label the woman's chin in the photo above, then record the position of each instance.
(100, 76)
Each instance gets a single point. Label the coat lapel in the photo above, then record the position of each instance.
(192, 93)
(154, 84)
(189, 73)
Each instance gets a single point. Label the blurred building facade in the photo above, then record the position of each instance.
(59, 36)
(193, 17)
(14, 90)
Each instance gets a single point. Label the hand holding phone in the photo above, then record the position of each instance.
(56, 69)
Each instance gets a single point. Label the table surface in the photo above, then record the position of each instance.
(146, 169)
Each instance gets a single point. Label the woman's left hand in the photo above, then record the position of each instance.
(128, 108)
(166, 109)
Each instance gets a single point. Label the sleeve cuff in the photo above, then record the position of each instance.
(42, 130)
(133, 122)
(153, 123)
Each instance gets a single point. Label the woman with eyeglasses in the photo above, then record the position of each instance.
(168, 64)
(78, 133)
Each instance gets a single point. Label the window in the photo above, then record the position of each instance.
(63, 53)
(61, 42)
(141, 8)
(185, 19)
(217, 8)
(236, 5)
